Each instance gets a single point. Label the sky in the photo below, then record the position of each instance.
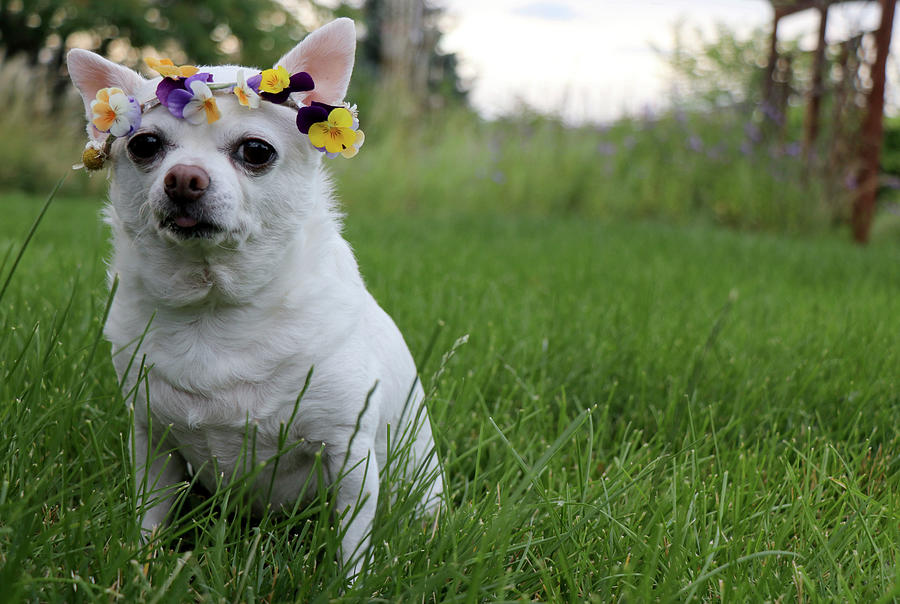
(595, 60)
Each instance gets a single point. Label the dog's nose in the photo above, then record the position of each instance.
(185, 184)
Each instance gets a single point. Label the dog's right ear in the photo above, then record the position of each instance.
(327, 55)
(90, 72)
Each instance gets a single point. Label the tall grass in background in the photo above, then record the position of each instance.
(42, 136)
(711, 166)
(714, 167)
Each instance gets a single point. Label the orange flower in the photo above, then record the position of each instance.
(245, 94)
(166, 68)
(115, 112)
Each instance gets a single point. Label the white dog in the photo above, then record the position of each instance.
(235, 285)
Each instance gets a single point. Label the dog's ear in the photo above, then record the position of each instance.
(90, 72)
(327, 55)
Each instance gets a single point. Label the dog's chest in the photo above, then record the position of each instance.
(232, 432)
(228, 401)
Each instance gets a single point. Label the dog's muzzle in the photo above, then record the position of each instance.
(186, 186)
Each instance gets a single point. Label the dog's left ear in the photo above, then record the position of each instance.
(327, 55)
(90, 72)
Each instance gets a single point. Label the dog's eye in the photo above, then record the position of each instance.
(255, 153)
(145, 146)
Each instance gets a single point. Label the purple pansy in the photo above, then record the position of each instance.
(175, 94)
(315, 113)
(300, 82)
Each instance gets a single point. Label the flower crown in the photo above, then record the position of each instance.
(188, 94)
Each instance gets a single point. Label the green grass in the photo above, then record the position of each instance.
(640, 412)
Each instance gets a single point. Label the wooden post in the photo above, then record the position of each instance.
(872, 131)
(815, 89)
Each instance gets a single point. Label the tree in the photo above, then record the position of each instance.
(399, 52)
(250, 31)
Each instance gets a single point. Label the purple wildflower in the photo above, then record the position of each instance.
(771, 112)
(695, 143)
(792, 149)
(606, 148)
(716, 152)
(752, 132)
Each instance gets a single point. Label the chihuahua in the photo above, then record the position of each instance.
(240, 317)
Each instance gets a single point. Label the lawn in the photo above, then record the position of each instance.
(626, 411)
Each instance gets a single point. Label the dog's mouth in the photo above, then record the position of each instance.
(188, 227)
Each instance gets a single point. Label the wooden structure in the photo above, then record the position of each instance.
(871, 132)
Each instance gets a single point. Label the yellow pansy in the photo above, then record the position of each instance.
(336, 134)
(274, 80)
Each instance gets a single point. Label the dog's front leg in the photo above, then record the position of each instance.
(357, 498)
(157, 472)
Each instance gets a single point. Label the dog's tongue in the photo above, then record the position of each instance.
(185, 222)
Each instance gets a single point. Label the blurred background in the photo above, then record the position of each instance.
(777, 115)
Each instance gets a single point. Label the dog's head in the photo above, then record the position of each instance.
(244, 180)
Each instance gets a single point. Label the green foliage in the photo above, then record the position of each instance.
(252, 32)
(443, 84)
(727, 69)
(214, 31)
(442, 81)
(722, 69)
(890, 153)
(641, 412)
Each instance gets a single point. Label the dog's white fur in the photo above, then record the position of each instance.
(237, 321)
